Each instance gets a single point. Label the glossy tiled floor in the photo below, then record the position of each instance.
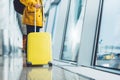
(54, 73)
(11, 68)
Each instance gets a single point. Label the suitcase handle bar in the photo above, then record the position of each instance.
(35, 20)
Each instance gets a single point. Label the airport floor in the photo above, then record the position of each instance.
(11, 68)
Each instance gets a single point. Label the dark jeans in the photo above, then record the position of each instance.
(32, 29)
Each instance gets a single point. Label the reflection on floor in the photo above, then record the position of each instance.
(36, 73)
(12, 68)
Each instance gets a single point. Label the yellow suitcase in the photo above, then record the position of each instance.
(39, 50)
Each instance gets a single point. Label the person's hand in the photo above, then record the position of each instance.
(38, 6)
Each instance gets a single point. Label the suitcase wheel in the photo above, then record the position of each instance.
(50, 64)
(29, 64)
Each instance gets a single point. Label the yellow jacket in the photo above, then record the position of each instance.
(29, 13)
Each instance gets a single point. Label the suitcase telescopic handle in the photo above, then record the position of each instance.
(35, 20)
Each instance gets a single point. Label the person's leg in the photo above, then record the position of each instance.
(30, 29)
(37, 29)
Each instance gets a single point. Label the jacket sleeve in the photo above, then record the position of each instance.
(28, 2)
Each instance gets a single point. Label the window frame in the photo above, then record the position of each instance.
(96, 39)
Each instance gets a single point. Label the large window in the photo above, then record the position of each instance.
(108, 46)
(73, 31)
